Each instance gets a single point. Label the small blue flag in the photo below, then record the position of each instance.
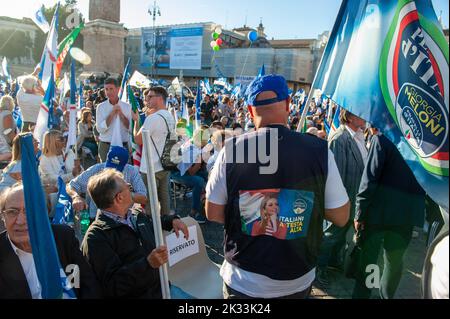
(63, 212)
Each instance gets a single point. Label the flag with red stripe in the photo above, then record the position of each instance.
(136, 149)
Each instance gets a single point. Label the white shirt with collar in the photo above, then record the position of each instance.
(106, 132)
(29, 269)
(358, 137)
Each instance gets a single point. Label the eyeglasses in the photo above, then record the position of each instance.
(151, 96)
(13, 213)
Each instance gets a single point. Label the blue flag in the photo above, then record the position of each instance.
(237, 91)
(81, 102)
(48, 267)
(387, 62)
(262, 71)
(207, 86)
(17, 116)
(63, 212)
(198, 102)
(73, 84)
(336, 119)
(326, 127)
(40, 20)
(16, 89)
(126, 77)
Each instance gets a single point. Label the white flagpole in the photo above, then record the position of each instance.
(156, 214)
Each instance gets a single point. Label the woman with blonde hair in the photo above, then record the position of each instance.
(269, 224)
(55, 161)
(8, 126)
(13, 172)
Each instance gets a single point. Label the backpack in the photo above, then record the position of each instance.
(170, 156)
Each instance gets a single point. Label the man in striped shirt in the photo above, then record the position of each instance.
(117, 158)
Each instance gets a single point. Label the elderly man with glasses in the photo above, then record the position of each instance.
(18, 276)
(120, 244)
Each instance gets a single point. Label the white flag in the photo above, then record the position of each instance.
(139, 80)
(116, 138)
(72, 136)
(50, 54)
(39, 18)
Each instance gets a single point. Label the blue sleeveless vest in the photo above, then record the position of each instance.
(274, 217)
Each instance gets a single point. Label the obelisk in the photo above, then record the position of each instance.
(104, 37)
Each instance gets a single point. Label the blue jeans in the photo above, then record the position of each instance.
(196, 182)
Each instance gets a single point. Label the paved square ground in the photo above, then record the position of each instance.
(340, 287)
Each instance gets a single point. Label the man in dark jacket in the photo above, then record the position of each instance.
(18, 276)
(120, 245)
(350, 153)
(389, 204)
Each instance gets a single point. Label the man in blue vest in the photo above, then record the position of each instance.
(272, 189)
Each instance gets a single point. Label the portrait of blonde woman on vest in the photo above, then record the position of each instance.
(269, 224)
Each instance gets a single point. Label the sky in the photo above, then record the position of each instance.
(294, 19)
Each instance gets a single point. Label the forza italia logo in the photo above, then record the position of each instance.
(415, 85)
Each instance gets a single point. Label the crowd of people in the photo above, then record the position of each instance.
(335, 175)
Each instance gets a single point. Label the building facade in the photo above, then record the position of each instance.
(23, 62)
(296, 60)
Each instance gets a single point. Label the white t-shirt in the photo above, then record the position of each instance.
(30, 105)
(158, 131)
(256, 285)
(106, 132)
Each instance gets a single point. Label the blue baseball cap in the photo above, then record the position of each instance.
(274, 83)
(117, 158)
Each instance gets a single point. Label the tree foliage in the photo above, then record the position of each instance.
(17, 43)
(65, 10)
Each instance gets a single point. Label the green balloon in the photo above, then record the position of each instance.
(216, 48)
(216, 35)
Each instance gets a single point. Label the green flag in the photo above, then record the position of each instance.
(136, 149)
(64, 47)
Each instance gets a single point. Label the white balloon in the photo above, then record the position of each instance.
(80, 56)
(213, 44)
(219, 30)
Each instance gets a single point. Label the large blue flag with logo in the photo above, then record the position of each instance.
(45, 256)
(387, 62)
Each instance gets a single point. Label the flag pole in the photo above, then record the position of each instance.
(156, 214)
(301, 124)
